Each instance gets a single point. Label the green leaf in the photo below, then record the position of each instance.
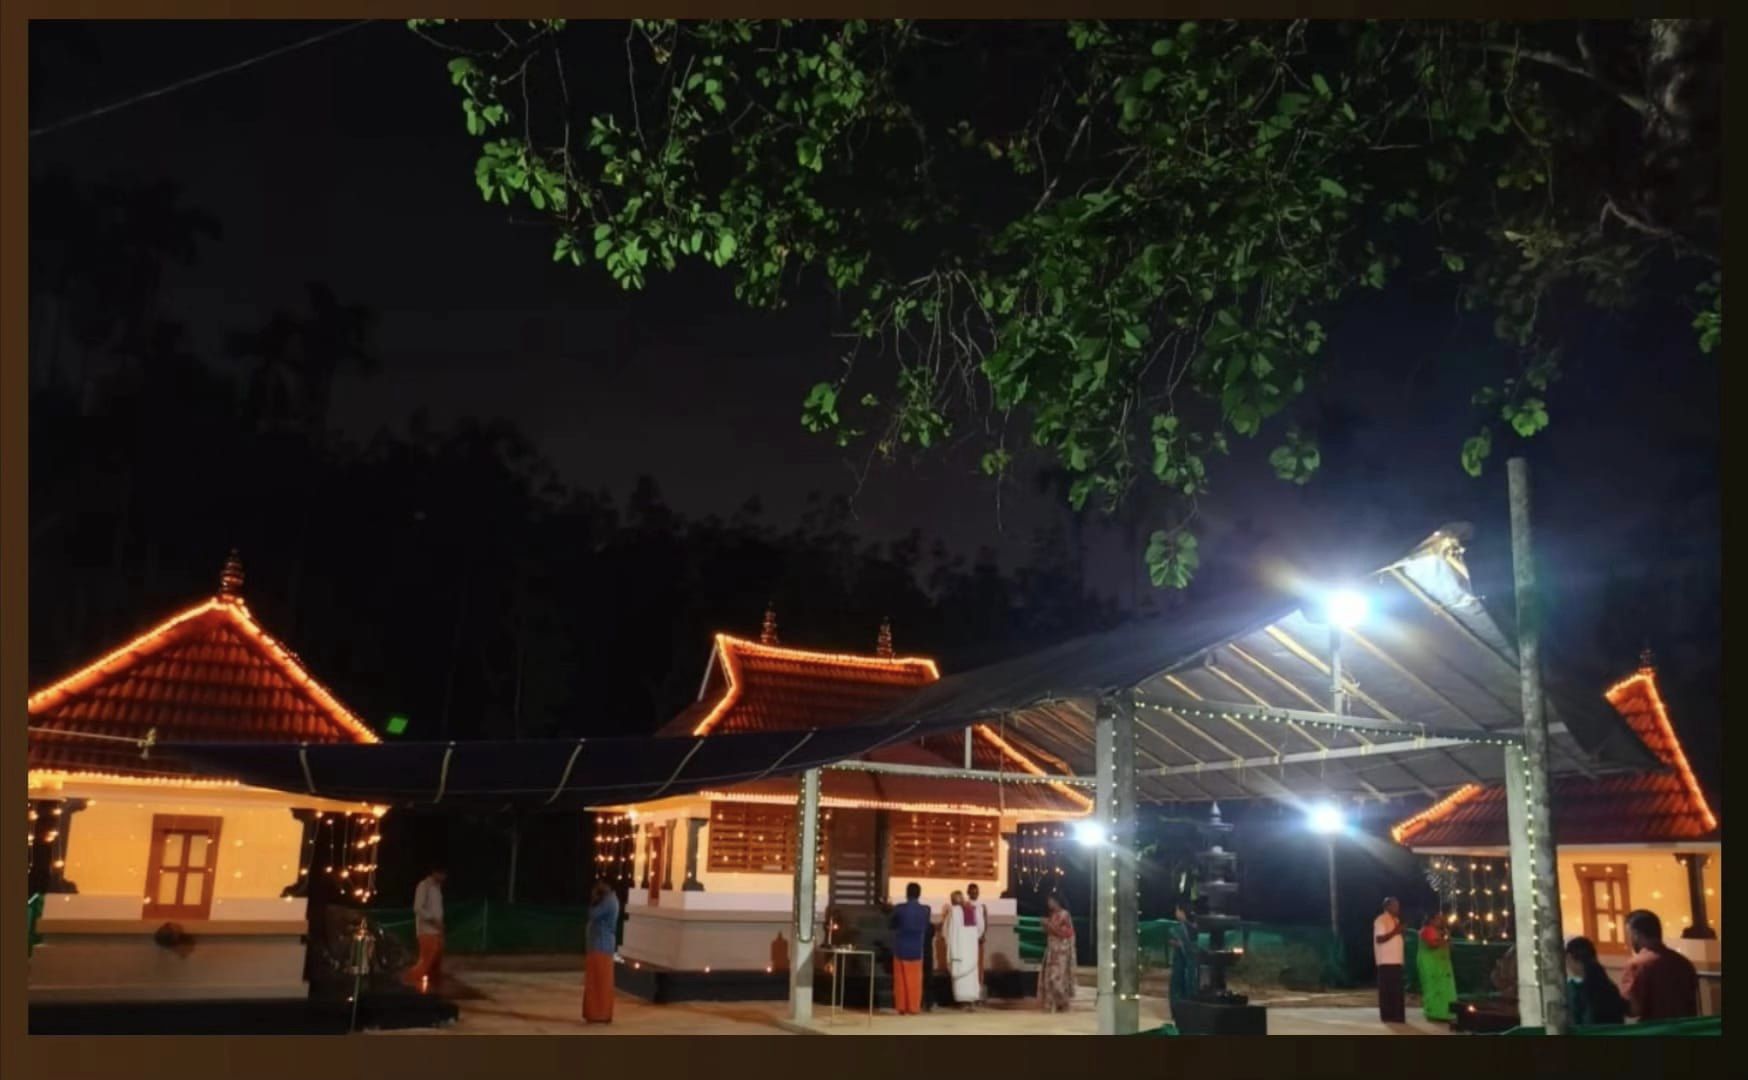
(726, 246)
(1476, 450)
(1331, 188)
(807, 151)
(1151, 79)
(1321, 85)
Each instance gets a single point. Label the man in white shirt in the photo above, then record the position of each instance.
(982, 932)
(427, 974)
(1387, 952)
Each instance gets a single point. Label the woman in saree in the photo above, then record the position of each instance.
(1591, 996)
(959, 925)
(1185, 973)
(1056, 977)
(1438, 982)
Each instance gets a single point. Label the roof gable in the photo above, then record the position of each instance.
(755, 687)
(208, 674)
(1664, 805)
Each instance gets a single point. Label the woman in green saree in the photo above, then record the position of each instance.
(1184, 973)
(1438, 983)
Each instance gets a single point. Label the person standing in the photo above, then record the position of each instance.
(1438, 979)
(982, 933)
(959, 925)
(598, 949)
(1659, 983)
(1056, 977)
(910, 923)
(1591, 997)
(1387, 953)
(427, 974)
(1185, 968)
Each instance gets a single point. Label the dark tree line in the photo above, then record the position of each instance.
(446, 573)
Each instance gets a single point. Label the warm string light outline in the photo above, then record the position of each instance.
(1403, 830)
(148, 643)
(1648, 678)
(729, 648)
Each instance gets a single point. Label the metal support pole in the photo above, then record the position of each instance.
(1127, 930)
(1538, 822)
(1104, 874)
(967, 748)
(1334, 914)
(1337, 695)
(801, 953)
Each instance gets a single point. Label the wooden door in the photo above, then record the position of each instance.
(1606, 904)
(852, 858)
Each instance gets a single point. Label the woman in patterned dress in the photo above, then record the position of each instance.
(1056, 977)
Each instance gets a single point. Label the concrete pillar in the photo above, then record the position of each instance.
(806, 871)
(1115, 898)
(1523, 888)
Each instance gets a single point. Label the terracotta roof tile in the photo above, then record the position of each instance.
(1661, 806)
(755, 688)
(209, 674)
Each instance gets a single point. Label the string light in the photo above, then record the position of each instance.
(731, 649)
(237, 614)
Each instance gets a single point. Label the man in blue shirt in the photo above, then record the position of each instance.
(910, 925)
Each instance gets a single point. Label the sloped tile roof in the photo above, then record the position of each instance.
(755, 688)
(209, 674)
(1665, 805)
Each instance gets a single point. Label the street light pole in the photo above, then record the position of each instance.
(1334, 917)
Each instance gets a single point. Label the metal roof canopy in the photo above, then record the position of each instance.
(1233, 699)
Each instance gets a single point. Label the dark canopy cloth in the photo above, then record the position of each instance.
(1232, 698)
(555, 773)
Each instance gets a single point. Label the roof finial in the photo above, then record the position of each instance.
(1645, 659)
(768, 635)
(231, 577)
(883, 644)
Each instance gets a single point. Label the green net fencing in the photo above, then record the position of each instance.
(1298, 957)
(485, 926)
(1472, 964)
(1696, 1026)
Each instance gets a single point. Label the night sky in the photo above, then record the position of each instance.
(347, 163)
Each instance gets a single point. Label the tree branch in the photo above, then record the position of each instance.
(1555, 60)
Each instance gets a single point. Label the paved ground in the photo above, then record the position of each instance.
(550, 1003)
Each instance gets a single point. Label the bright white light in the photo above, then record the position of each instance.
(1327, 819)
(1348, 608)
(1090, 834)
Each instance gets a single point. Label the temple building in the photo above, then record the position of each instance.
(713, 871)
(1645, 839)
(160, 883)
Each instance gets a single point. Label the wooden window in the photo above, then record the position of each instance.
(752, 838)
(961, 846)
(180, 869)
(1606, 904)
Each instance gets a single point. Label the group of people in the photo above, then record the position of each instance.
(964, 924)
(1657, 983)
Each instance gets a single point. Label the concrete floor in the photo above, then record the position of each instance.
(550, 1003)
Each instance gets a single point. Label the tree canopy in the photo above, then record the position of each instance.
(1109, 247)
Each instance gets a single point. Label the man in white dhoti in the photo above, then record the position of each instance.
(982, 933)
(963, 932)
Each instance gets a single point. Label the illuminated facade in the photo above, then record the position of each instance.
(1640, 840)
(711, 874)
(126, 844)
